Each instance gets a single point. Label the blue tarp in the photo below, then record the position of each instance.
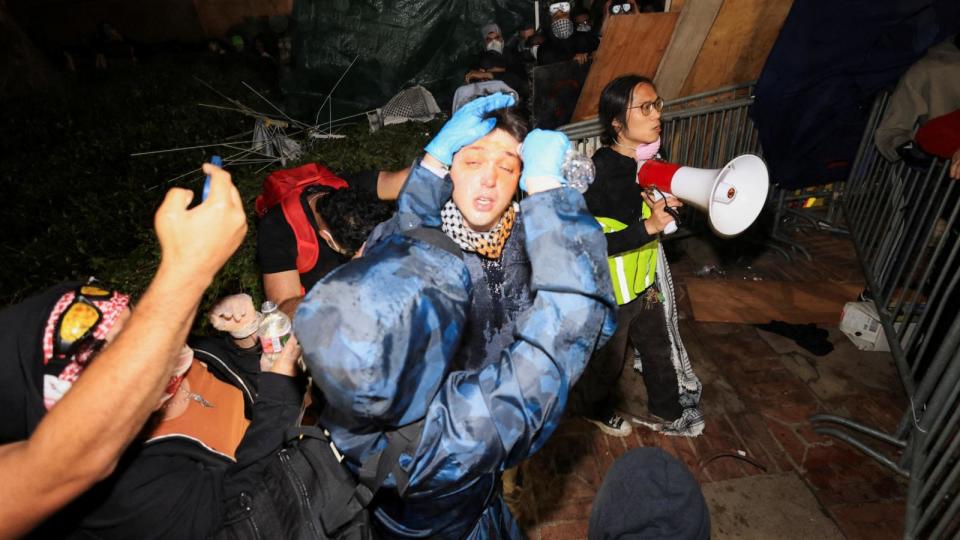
(829, 62)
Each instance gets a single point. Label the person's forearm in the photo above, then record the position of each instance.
(80, 440)
(423, 195)
(633, 237)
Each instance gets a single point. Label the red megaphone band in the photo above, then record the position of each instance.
(658, 173)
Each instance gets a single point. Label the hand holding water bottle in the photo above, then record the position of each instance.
(274, 332)
(550, 159)
(542, 153)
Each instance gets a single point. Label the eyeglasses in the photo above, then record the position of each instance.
(560, 6)
(620, 8)
(647, 107)
(78, 322)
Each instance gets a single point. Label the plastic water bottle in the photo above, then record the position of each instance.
(578, 169)
(274, 331)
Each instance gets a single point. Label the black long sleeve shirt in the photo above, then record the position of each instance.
(615, 194)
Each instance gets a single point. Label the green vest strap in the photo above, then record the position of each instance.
(632, 271)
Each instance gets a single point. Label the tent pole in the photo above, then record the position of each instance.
(536, 15)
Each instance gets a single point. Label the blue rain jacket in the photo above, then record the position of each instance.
(501, 287)
(379, 335)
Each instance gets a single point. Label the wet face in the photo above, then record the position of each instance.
(485, 175)
(640, 129)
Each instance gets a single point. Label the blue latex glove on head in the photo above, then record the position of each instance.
(466, 126)
(542, 153)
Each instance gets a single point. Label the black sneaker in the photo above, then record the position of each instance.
(613, 425)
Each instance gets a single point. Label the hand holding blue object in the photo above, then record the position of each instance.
(466, 126)
(215, 160)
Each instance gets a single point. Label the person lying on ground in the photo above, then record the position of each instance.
(218, 419)
(46, 460)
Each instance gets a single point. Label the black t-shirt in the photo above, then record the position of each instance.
(277, 244)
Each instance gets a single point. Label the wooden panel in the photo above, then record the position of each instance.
(693, 26)
(630, 44)
(737, 45)
(757, 302)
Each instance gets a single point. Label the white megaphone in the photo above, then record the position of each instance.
(732, 196)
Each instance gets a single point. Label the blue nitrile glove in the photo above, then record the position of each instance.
(466, 126)
(543, 153)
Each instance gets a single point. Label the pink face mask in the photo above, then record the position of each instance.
(648, 151)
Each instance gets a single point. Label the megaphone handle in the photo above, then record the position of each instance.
(671, 227)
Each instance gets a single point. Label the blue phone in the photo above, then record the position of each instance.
(215, 160)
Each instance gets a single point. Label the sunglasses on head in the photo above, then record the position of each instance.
(617, 9)
(78, 322)
(560, 6)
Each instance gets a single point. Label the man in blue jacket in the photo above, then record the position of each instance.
(379, 335)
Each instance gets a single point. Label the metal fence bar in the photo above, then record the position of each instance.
(910, 243)
(905, 224)
(932, 502)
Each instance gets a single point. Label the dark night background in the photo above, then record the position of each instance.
(76, 202)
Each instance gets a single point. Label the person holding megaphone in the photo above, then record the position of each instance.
(646, 319)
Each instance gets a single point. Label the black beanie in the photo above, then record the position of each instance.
(649, 494)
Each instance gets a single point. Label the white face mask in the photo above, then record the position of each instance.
(562, 28)
(495, 45)
(583, 27)
(533, 51)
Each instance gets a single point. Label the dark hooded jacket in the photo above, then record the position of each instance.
(173, 488)
(379, 340)
(21, 367)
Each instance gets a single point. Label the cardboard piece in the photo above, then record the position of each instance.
(758, 302)
(696, 20)
(737, 46)
(630, 44)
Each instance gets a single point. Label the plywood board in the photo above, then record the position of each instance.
(737, 45)
(630, 44)
(757, 302)
(692, 29)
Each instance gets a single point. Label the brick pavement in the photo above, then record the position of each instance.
(757, 399)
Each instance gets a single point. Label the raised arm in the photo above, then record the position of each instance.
(427, 188)
(512, 407)
(80, 440)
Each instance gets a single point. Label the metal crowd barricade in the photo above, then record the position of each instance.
(904, 224)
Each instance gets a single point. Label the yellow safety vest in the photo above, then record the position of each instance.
(632, 271)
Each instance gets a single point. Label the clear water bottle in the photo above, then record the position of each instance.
(578, 169)
(274, 331)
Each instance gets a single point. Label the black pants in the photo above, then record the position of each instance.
(641, 324)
